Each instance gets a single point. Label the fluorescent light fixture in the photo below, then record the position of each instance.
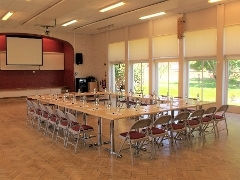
(8, 15)
(152, 15)
(213, 1)
(70, 22)
(112, 7)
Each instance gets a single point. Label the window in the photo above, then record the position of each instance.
(233, 97)
(202, 79)
(140, 78)
(117, 77)
(167, 78)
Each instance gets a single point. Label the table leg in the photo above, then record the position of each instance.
(112, 145)
(99, 131)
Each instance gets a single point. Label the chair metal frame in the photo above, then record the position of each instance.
(36, 115)
(194, 123)
(159, 130)
(179, 126)
(62, 125)
(131, 136)
(78, 131)
(207, 120)
(219, 116)
(51, 121)
(30, 112)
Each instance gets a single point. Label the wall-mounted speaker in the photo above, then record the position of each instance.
(79, 58)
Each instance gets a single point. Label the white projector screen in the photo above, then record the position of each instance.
(24, 51)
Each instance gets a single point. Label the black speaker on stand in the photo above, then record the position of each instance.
(79, 58)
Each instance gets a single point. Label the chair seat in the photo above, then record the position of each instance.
(85, 127)
(219, 117)
(177, 126)
(193, 122)
(206, 119)
(133, 135)
(63, 123)
(157, 131)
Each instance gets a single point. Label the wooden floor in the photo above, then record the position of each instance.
(26, 153)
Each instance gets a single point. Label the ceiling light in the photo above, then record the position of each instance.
(213, 1)
(7, 16)
(112, 7)
(152, 15)
(70, 22)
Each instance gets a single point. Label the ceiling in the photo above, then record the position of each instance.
(37, 14)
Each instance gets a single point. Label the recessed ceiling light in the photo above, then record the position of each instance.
(213, 1)
(6, 16)
(112, 7)
(152, 15)
(70, 22)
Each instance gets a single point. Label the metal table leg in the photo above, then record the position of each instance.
(99, 131)
(112, 145)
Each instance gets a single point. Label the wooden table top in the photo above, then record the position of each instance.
(103, 112)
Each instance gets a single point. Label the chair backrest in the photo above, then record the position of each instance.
(222, 109)
(42, 108)
(35, 105)
(29, 104)
(165, 119)
(197, 113)
(210, 110)
(49, 110)
(60, 114)
(71, 118)
(141, 123)
(181, 116)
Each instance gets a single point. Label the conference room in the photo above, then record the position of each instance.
(188, 54)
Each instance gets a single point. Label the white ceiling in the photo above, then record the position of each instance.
(28, 13)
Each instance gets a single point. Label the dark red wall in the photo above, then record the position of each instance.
(12, 79)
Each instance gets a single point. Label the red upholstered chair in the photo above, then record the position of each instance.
(61, 126)
(77, 131)
(220, 116)
(135, 137)
(36, 115)
(30, 112)
(159, 130)
(208, 123)
(194, 123)
(51, 121)
(43, 117)
(178, 127)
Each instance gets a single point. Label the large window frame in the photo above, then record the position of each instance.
(201, 79)
(169, 63)
(143, 80)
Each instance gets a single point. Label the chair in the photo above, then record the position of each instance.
(62, 125)
(194, 123)
(179, 126)
(134, 136)
(77, 129)
(220, 116)
(43, 117)
(208, 121)
(159, 130)
(51, 121)
(36, 115)
(30, 112)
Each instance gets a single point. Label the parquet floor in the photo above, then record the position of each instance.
(26, 153)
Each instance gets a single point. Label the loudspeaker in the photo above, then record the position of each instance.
(79, 58)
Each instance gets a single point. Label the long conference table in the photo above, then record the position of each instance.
(113, 114)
